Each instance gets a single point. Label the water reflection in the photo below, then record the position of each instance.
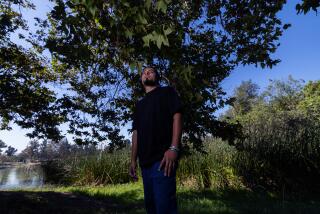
(21, 176)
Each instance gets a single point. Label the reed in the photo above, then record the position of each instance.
(211, 169)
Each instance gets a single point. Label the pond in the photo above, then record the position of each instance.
(21, 176)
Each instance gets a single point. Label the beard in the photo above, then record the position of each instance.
(148, 82)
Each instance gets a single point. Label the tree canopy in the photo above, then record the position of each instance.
(246, 95)
(2, 145)
(311, 102)
(25, 100)
(11, 151)
(97, 50)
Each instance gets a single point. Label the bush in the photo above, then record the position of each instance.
(281, 150)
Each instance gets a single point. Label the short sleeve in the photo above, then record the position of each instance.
(175, 104)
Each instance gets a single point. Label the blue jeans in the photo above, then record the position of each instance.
(159, 190)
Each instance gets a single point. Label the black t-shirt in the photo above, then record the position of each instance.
(153, 119)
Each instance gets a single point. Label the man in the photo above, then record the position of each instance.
(157, 127)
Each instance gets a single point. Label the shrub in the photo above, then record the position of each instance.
(281, 150)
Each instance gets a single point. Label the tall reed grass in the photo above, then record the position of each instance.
(214, 168)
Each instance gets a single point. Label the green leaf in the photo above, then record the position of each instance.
(159, 40)
(100, 27)
(147, 4)
(142, 19)
(128, 34)
(161, 5)
(187, 74)
(146, 40)
(165, 40)
(168, 31)
(139, 66)
(132, 66)
(93, 10)
(126, 4)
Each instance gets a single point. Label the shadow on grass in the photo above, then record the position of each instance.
(242, 202)
(75, 203)
(205, 201)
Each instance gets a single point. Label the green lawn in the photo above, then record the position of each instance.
(128, 198)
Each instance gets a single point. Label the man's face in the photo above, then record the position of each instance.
(149, 77)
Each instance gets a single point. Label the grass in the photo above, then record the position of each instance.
(100, 184)
(128, 198)
(198, 170)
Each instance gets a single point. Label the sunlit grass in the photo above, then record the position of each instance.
(207, 183)
(193, 200)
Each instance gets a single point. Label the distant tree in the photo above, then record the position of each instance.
(311, 98)
(64, 148)
(49, 149)
(43, 149)
(245, 97)
(284, 95)
(2, 146)
(281, 95)
(32, 150)
(11, 151)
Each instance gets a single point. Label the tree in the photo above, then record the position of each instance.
(11, 151)
(64, 148)
(2, 145)
(25, 98)
(32, 150)
(281, 95)
(246, 96)
(310, 103)
(49, 149)
(99, 47)
(284, 95)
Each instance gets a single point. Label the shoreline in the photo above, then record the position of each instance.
(17, 164)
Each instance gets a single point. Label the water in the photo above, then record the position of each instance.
(21, 176)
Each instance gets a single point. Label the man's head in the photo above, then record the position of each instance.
(150, 76)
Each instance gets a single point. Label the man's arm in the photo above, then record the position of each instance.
(176, 129)
(134, 147)
(170, 156)
(134, 153)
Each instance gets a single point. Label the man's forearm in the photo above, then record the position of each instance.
(134, 146)
(176, 129)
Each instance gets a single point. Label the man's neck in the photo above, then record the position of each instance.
(150, 88)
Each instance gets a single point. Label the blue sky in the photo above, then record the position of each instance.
(299, 53)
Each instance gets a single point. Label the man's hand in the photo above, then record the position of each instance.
(133, 170)
(169, 160)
